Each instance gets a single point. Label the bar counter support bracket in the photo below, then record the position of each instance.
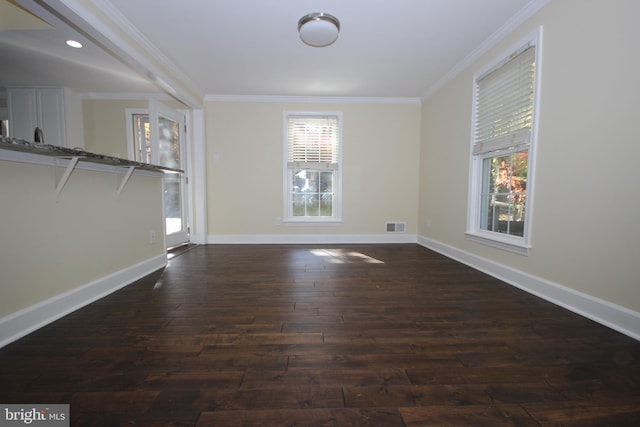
(73, 161)
(125, 179)
(23, 151)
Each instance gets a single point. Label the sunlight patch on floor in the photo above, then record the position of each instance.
(341, 256)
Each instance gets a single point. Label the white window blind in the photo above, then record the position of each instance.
(312, 142)
(504, 104)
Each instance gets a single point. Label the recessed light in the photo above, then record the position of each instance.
(74, 43)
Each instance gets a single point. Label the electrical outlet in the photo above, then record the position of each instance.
(152, 237)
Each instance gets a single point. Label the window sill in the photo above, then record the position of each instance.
(499, 242)
(311, 223)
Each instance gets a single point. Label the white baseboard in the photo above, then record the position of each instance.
(25, 321)
(313, 239)
(616, 317)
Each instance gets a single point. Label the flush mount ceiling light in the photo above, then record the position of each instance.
(318, 29)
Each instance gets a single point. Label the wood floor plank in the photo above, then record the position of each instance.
(467, 416)
(329, 377)
(358, 335)
(304, 417)
(595, 413)
(289, 397)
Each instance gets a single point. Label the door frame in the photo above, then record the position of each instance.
(183, 118)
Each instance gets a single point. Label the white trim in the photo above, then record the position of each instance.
(621, 319)
(499, 241)
(312, 99)
(129, 112)
(525, 13)
(189, 181)
(259, 239)
(129, 96)
(199, 179)
(18, 324)
(311, 221)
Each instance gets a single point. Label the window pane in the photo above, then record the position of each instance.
(172, 203)
(326, 182)
(141, 138)
(503, 197)
(313, 207)
(299, 208)
(312, 193)
(326, 204)
(169, 142)
(326, 193)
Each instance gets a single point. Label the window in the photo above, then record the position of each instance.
(4, 127)
(312, 167)
(502, 151)
(4, 121)
(141, 137)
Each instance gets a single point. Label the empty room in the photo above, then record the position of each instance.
(349, 213)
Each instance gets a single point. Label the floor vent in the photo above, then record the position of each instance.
(396, 227)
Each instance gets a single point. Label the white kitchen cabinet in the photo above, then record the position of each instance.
(47, 109)
(22, 113)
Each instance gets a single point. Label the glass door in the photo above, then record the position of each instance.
(167, 127)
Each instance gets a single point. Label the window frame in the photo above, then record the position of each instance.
(132, 145)
(474, 232)
(288, 217)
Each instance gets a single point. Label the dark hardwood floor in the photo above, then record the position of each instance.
(339, 335)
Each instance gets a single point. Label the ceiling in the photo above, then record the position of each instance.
(400, 48)
(34, 53)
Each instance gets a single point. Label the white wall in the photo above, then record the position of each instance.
(245, 167)
(585, 231)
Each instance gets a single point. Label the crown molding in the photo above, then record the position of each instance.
(128, 96)
(312, 99)
(518, 19)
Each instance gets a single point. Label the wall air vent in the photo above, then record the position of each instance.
(396, 227)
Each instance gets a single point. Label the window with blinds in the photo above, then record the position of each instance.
(504, 104)
(312, 167)
(312, 142)
(504, 108)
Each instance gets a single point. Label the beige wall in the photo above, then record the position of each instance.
(105, 125)
(55, 244)
(245, 167)
(585, 233)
